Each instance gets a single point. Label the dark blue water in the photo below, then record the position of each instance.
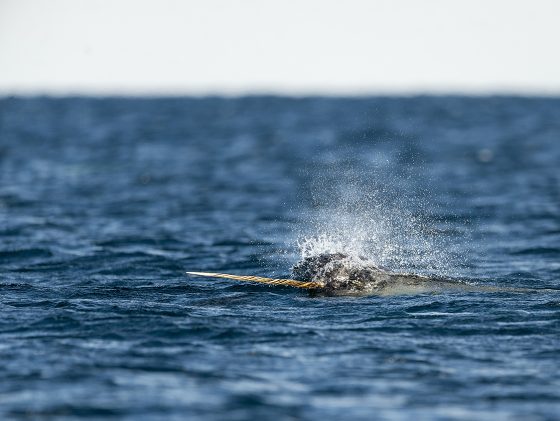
(105, 203)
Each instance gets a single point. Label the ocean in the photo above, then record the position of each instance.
(105, 203)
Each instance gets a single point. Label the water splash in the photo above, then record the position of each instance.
(364, 219)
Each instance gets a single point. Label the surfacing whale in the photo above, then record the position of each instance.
(341, 274)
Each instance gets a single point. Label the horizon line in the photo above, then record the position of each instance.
(296, 93)
(4, 96)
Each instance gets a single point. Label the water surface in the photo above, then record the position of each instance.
(104, 203)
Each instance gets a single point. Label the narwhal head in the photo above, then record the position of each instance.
(338, 272)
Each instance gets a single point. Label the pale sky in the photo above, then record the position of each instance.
(288, 47)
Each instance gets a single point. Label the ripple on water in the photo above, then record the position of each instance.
(106, 202)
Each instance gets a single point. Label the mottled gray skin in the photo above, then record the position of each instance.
(341, 274)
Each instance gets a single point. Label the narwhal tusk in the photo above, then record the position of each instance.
(268, 281)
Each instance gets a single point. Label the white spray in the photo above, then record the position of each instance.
(358, 219)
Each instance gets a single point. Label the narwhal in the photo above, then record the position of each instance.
(342, 274)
